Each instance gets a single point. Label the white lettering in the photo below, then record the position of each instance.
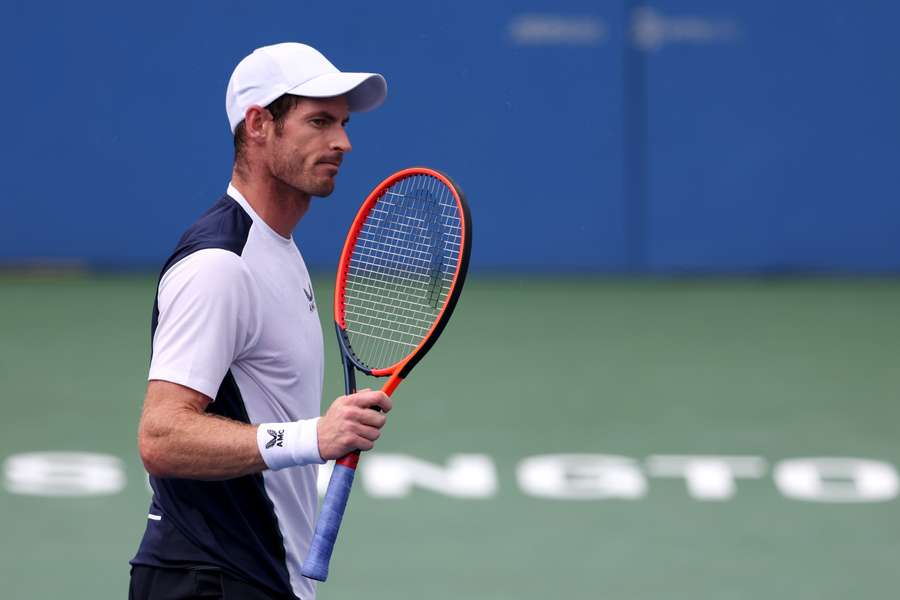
(847, 480)
(581, 477)
(708, 478)
(650, 29)
(63, 474)
(395, 475)
(549, 29)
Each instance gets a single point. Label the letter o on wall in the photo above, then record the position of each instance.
(837, 480)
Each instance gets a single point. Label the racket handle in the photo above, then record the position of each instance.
(333, 505)
(317, 560)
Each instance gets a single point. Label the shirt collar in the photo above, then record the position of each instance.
(238, 197)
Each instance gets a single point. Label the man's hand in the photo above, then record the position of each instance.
(352, 423)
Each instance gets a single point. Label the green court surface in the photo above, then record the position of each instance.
(496, 477)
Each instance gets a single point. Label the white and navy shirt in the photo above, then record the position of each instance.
(235, 319)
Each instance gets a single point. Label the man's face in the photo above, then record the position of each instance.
(307, 150)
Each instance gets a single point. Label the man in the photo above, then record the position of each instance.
(230, 432)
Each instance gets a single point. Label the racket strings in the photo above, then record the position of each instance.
(402, 269)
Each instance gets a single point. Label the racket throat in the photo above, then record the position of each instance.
(349, 378)
(392, 384)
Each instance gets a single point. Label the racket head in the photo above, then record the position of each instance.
(401, 271)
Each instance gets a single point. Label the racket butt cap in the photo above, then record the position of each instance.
(315, 570)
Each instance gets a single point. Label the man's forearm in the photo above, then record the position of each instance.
(178, 439)
(202, 446)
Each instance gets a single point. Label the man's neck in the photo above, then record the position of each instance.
(278, 204)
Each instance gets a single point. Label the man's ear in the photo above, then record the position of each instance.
(257, 122)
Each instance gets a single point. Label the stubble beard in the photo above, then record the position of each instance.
(296, 176)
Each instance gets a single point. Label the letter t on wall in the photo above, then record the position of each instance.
(708, 478)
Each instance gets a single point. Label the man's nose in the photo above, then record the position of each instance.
(341, 141)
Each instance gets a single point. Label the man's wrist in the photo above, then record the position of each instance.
(284, 445)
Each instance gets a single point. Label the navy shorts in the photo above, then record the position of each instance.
(156, 583)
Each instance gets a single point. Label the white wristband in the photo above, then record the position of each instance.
(289, 444)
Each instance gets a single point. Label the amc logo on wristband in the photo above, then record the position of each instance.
(277, 438)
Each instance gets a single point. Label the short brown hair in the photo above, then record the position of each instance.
(279, 109)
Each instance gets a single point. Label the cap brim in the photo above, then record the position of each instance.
(364, 91)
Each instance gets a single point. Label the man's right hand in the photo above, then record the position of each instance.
(352, 423)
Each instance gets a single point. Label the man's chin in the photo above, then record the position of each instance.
(311, 186)
(323, 189)
(323, 193)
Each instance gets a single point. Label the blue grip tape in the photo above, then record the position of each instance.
(316, 564)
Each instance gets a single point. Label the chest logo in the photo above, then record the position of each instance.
(309, 296)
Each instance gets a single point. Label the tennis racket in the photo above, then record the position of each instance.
(400, 275)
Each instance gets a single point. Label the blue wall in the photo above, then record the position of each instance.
(703, 136)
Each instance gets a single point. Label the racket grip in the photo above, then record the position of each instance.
(317, 560)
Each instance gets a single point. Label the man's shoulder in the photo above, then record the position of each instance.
(224, 226)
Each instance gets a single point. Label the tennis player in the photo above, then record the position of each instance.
(230, 431)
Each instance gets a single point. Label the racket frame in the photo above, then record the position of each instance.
(402, 368)
(336, 497)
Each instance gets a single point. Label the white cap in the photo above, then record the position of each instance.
(291, 68)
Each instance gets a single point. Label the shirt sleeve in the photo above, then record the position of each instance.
(207, 317)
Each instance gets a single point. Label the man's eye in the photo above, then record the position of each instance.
(318, 122)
